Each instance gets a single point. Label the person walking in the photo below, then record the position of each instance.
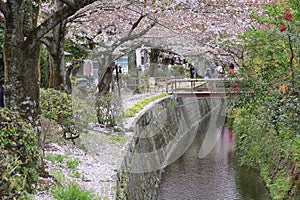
(120, 69)
(192, 70)
(1, 92)
(231, 68)
(207, 74)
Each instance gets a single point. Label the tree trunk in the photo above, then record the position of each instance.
(57, 58)
(21, 51)
(153, 69)
(21, 65)
(22, 82)
(132, 70)
(68, 86)
(104, 82)
(106, 67)
(55, 47)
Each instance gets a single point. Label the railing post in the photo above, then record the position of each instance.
(172, 86)
(175, 87)
(166, 82)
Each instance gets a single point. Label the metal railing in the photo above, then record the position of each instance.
(212, 85)
(175, 85)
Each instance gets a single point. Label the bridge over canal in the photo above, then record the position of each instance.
(214, 87)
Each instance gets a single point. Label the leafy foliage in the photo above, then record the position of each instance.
(74, 62)
(178, 70)
(267, 123)
(260, 147)
(57, 106)
(18, 157)
(71, 113)
(77, 53)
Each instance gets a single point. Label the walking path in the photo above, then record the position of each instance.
(104, 149)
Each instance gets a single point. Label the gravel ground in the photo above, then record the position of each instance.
(100, 151)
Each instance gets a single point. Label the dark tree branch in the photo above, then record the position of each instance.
(56, 18)
(136, 24)
(46, 41)
(68, 2)
(3, 8)
(133, 36)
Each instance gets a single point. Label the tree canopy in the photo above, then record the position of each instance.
(190, 27)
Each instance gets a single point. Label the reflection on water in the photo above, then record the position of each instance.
(215, 177)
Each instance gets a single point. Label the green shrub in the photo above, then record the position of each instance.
(71, 191)
(57, 106)
(259, 146)
(71, 113)
(178, 70)
(18, 157)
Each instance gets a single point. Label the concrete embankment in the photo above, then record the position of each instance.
(161, 135)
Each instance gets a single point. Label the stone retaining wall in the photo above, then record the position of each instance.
(162, 134)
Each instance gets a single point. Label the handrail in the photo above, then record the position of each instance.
(211, 85)
(204, 79)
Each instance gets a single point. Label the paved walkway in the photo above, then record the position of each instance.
(100, 151)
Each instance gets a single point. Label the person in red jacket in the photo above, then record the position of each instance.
(231, 67)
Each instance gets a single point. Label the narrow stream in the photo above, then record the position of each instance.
(215, 177)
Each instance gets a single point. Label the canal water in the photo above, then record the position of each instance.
(214, 177)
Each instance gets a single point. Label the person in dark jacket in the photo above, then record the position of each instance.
(192, 71)
(1, 92)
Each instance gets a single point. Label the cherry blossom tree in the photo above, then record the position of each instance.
(203, 23)
(207, 27)
(115, 29)
(189, 28)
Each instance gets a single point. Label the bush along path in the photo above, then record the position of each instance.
(267, 121)
(18, 157)
(276, 155)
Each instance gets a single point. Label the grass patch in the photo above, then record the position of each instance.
(77, 174)
(130, 112)
(53, 158)
(118, 139)
(71, 191)
(73, 164)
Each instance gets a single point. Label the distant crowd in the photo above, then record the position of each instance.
(218, 71)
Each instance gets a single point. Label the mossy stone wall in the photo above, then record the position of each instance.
(161, 135)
